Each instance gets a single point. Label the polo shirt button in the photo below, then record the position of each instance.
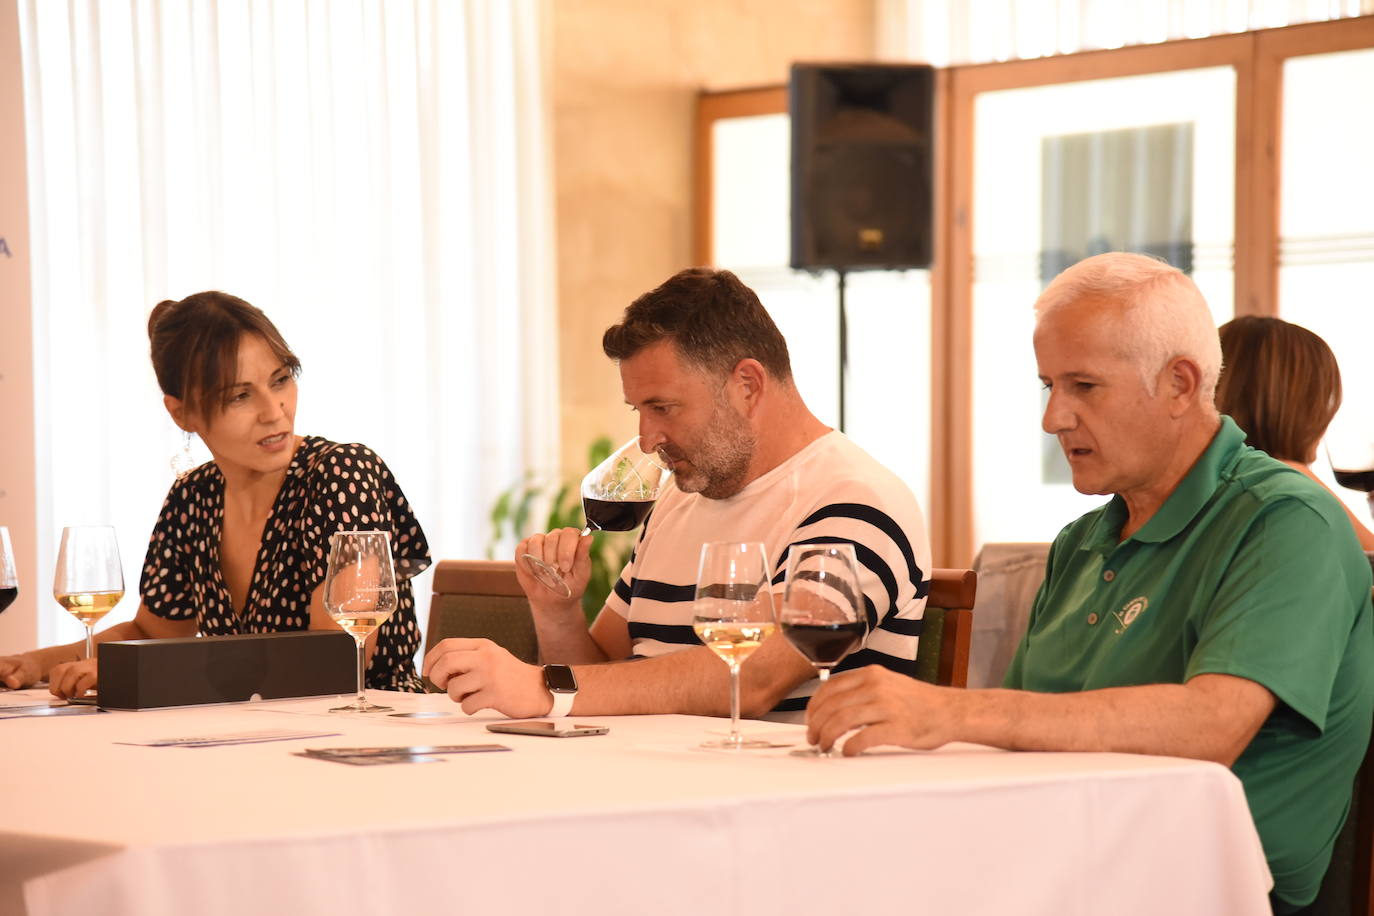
(1092, 618)
(1109, 575)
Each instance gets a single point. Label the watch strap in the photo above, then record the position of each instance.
(562, 704)
(562, 686)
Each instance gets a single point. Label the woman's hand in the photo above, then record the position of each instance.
(72, 679)
(19, 671)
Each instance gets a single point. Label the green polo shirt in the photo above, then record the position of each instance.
(1248, 569)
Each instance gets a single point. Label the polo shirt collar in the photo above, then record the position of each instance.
(1182, 506)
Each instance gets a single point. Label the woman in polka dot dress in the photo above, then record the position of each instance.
(242, 542)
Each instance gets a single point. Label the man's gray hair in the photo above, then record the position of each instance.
(1159, 314)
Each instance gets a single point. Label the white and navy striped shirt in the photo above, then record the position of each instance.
(830, 491)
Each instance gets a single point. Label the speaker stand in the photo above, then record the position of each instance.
(844, 344)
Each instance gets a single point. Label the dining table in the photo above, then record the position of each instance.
(241, 808)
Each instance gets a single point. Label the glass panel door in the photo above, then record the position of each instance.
(1142, 163)
(1326, 228)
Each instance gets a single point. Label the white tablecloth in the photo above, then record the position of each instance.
(632, 822)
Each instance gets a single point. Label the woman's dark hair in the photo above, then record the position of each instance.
(1280, 383)
(195, 347)
(714, 320)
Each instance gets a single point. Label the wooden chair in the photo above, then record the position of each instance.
(481, 598)
(942, 655)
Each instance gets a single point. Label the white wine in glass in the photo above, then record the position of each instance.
(822, 609)
(89, 581)
(733, 615)
(617, 495)
(360, 594)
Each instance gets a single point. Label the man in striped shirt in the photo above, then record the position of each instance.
(708, 373)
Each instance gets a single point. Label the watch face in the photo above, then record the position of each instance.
(560, 678)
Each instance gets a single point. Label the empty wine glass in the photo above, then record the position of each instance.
(733, 615)
(9, 579)
(89, 581)
(617, 495)
(360, 594)
(822, 609)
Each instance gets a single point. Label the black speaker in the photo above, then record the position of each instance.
(862, 152)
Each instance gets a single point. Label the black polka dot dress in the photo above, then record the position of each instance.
(328, 487)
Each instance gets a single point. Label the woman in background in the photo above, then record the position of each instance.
(242, 543)
(1281, 384)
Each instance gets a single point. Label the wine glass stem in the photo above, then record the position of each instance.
(734, 705)
(90, 640)
(362, 663)
(824, 675)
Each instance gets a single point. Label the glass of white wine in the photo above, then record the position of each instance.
(360, 594)
(733, 615)
(89, 581)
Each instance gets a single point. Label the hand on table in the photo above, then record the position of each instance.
(568, 551)
(886, 708)
(479, 674)
(72, 679)
(19, 671)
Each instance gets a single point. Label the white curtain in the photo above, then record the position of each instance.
(373, 174)
(953, 32)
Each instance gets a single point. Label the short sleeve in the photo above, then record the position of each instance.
(165, 585)
(350, 487)
(1283, 612)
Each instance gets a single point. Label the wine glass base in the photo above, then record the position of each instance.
(735, 744)
(547, 575)
(361, 707)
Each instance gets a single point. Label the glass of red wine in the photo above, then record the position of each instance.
(617, 495)
(9, 580)
(822, 609)
(1352, 461)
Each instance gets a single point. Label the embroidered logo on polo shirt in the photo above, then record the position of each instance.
(1127, 615)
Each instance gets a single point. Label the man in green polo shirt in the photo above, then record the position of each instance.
(1218, 607)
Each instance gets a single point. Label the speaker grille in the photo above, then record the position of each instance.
(861, 166)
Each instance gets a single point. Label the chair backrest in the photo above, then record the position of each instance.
(942, 654)
(482, 598)
(1009, 575)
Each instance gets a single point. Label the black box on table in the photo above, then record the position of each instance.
(150, 673)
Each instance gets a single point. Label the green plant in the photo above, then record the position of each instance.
(511, 521)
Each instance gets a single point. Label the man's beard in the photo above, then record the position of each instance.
(720, 463)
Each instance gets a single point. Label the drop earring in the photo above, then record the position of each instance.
(183, 462)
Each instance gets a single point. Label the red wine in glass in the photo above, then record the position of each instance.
(823, 644)
(617, 495)
(822, 614)
(1355, 480)
(609, 515)
(9, 581)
